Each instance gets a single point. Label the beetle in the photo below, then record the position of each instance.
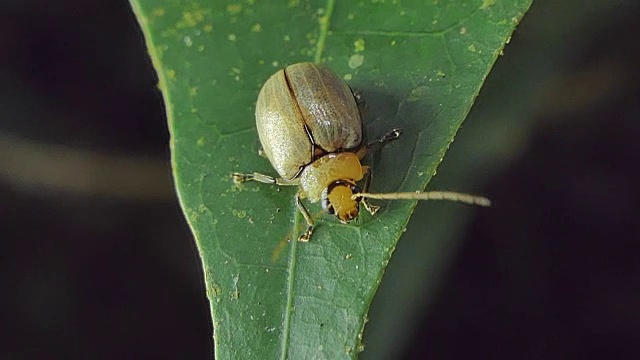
(310, 126)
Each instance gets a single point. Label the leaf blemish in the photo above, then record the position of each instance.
(241, 214)
(235, 294)
(256, 28)
(157, 12)
(487, 4)
(235, 72)
(359, 45)
(356, 61)
(213, 291)
(234, 9)
(191, 18)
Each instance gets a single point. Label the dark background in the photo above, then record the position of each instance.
(98, 262)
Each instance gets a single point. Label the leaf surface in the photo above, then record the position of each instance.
(418, 65)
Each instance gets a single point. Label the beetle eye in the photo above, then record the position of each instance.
(356, 189)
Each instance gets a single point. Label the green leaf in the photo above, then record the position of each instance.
(418, 65)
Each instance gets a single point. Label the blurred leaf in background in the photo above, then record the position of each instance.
(105, 271)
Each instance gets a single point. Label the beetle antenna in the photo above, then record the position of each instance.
(429, 195)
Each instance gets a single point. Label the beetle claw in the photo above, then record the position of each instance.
(391, 135)
(239, 178)
(372, 209)
(307, 235)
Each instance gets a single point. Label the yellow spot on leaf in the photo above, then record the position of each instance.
(487, 4)
(191, 18)
(157, 12)
(234, 9)
(359, 45)
(323, 20)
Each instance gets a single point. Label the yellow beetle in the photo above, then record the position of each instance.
(310, 127)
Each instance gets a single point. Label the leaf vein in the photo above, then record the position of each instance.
(286, 331)
(324, 30)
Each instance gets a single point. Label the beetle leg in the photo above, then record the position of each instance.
(266, 179)
(384, 139)
(372, 209)
(307, 234)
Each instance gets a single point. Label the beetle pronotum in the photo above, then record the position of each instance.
(310, 127)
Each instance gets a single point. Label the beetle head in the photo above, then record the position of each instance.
(336, 200)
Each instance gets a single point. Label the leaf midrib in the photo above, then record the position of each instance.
(324, 32)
